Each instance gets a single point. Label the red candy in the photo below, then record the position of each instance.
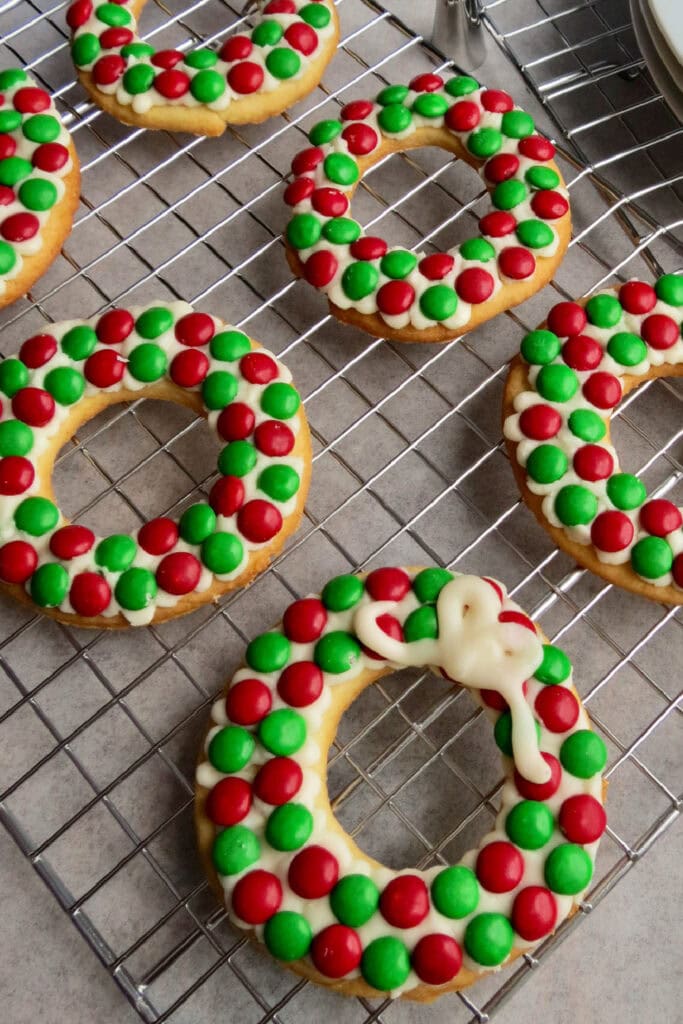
(259, 521)
(236, 422)
(436, 266)
(540, 422)
(236, 48)
(389, 625)
(474, 285)
(388, 584)
(501, 167)
(229, 801)
(304, 620)
(582, 819)
(248, 701)
(320, 268)
(536, 148)
(38, 350)
(71, 542)
(602, 390)
(534, 912)
(592, 462)
(567, 319)
(660, 517)
(16, 474)
(497, 101)
(436, 959)
(427, 82)
(34, 406)
(582, 353)
(302, 37)
(281, 7)
(18, 561)
(90, 594)
(404, 902)
(637, 297)
(494, 699)
(463, 116)
(8, 146)
(500, 866)
(368, 248)
(395, 297)
(227, 495)
(541, 790)
(246, 77)
(298, 191)
(104, 368)
(257, 896)
(356, 110)
(307, 160)
(78, 13)
(172, 84)
(29, 100)
(300, 684)
(108, 70)
(558, 708)
(497, 224)
(278, 780)
(7, 196)
(20, 227)
(113, 37)
(660, 331)
(518, 618)
(158, 536)
(612, 531)
(677, 570)
(189, 368)
(549, 205)
(313, 873)
(166, 58)
(179, 573)
(272, 437)
(194, 329)
(114, 327)
(258, 368)
(336, 950)
(360, 138)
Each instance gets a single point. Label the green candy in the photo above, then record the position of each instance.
(13, 376)
(16, 438)
(341, 169)
(207, 86)
(222, 552)
(398, 264)
(219, 389)
(137, 50)
(116, 553)
(455, 892)
(200, 59)
(289, 827)
(79, 342)
(229, 345)
(430, 104)
(517, 124)
(341, 230)
(530, 824)
(354, 900)
(546, 464)
(542, 177)
(136, 589)
(324, 131)
(41, 128)
(235, 849)
(113, 15)
(626, 491)
(283, 63)
(583, 754)
(231, 749)
(557, 382)
(268, 33)
(438, 302)
(394, 118)
(575, 505)
(359, 279)
(138, 79)
(279, 482)
(315, 15)
(336, 652)
(49, 585)
(627, 349)
(652, 557)
(386, 963)
(65, 384)
(568, 869)
(535, 234)
(8, 257)
(429, 583)
(342, 593)
(604, 311)
(303, 230)
(477, 249)
(13, 169)
(280, 400)
(489, 938)
(85, 50)
(669, 289)
(421, 624)
(287, 935)
(541, 347)
(36, 516)
(154, 322)
(147, 362)
(268, 652)
(502, 733)
(393, 95)
(508, 194)
(10, 120)
(485, 142)
(283, 732)
(461, 85)
(197, 523)
(13, 76)
(554, 668)
(587, 425)
(237, 459)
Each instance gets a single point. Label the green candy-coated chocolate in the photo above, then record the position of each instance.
(138, 79)
(289, 827)
(502, 733)
(530, 824)
(341, 230)
(324, 131)
(430, 104)
(421, 624)
(652, 557)
(65, 384)
(429, 583)
(219, 389)
(14, 169)
(669, 289)
(477, 249)
(583, 754)
(207, 86)
(41, 128)
(197, 523)
(8, 257)
(137, 50)
(517, 124)
(627, 349)
(287, 935)
(342, 593)
(79, 342)
(85, 50)
(222, 552)
(542, 177)
(268, 33)
(49, 585)
(229, 345)
(116, 553)
(587, 425)
(336, 652)
(315, 15)
(279, 482)
(10, 77)
(359, 279)
(455, 892)
(16, 438)
(394, 118)
(13, 376)
(485, 142)
(393, 94)
(557, 382)
(386, 963)
(461, 85)
(231, 749)
(575, 505)
(280, 400)
(147, 362)
(546, 464)
(113, 15)
(341, 169)
(535, 234)
(554, 668)
(354, 900)
(303, 230)
(508, 194)
(268, 652)
(568, 869)
(154, 322)
(438, 302)
(136, 589)
(237, 458)
(604, 311)
(398, 264)
(283, 732)
(489, 938)
(10, 120)
(200, 59)
(235, 849)
(36, 516)
(626, 491)
(540, 347)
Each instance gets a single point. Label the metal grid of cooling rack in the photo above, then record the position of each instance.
(98, 732)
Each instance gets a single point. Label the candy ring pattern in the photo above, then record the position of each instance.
(395, 293)
(65, 377)
(39, 183)
(282, 864)
(559, 398)
(253, 76)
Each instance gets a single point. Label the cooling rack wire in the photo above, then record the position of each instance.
(98, 733)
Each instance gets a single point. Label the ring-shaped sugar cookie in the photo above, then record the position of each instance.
(284, 867)
(559, 397)
(410, 296)
(251, 77)
(166, 351)
(39, 183)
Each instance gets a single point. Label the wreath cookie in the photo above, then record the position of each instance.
(395, 293)
(287, 871)
(39, 183)
(558, 401)
(65, 377)
(253, 76)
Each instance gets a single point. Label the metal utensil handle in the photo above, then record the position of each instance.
(459, 33)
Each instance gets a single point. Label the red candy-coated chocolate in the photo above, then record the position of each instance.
(602, 390)
(368, 248)
(30, 100)
(567, 319)
(111, 38)
(360, 138)
(593, 462)
(637, 297)
(18, 561)
(499, 866)
(436, 266)
(179, 573)
(227, 495)
(298, 191)
(612, 531)
(194, 329)
(166, 58)
(549, 205)
(536, 148)
(236, 421)
(313, 873)
(78, 13)
(114, 326)
(463, 116)
(109, 69)
(474, 285)
(582, 353)
(20, 227)
(501, 167)
(278, 780)
(300, 684)
(229, 802)
(336, 950)
(189, 368)
(495, 586)
(38, 350)
(304, 620)
(660, 331)
(388, 584)
(541, 790)
(259, 521)
(582, 818)
(494, 699)
(518, 618)
(272, 437)
(172, 84)
(404, 902)
(497, 224)
(236, 48)
(426, 82)
(258, 368)
(357, 110)
(320, 268)
(280, 7)
(104, 368)
(302, 37)
(16, 474)
(677, 570)
(71, 542)
(248, 701)
(436, 959)
(540, 422)
(395, 297)
(89, 594)
(389, 625)
(34, 406)
(257, 896)
(660, 517)
(158, 536)
(8, 146)
(307, 160)
(7, 195)
(246, 77)
(497, 101)
(534, 912)
(557, 707)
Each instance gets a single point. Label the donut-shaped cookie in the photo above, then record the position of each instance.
(559, 398)
(282, 864)
(39, 183)
(63, 378)
(396, 293)
(251, 77)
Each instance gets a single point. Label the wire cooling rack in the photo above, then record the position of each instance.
(98, 732)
